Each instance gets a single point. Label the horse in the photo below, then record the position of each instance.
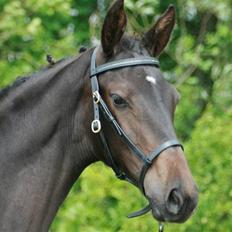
(111, 104)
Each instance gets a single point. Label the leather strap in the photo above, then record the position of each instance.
(120, 131)
(96, 123)
(140, 212)
(124, 64)
(153, 155)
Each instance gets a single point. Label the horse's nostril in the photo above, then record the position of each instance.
(174, 202)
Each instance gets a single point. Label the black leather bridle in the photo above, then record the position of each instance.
(100, 105)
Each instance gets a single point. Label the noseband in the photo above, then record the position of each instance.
(100, 105)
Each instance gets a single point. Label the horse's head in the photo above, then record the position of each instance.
(143, 103)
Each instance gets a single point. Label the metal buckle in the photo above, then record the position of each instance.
(96, 97)
(161, 227)
(96, 126)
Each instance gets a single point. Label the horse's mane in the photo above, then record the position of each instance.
(22, 79)
(127, 42)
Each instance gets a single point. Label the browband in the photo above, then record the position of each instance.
(124, 64)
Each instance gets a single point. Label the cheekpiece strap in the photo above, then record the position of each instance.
(96, 123)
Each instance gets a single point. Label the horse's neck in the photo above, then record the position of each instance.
(43, 147)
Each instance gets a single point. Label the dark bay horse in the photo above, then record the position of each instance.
(46, 139)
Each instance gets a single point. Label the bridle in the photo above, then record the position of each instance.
(100, 105)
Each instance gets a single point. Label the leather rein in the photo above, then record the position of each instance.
(100, 106)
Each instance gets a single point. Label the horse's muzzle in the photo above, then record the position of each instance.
(177, 206)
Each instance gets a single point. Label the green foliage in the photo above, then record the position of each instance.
(198, 61)
(104, 208)
(210, 150)
(31, 29)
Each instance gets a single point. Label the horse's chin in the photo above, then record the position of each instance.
(157, 214)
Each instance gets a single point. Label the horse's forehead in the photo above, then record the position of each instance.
(145, 75)
(136, 76)
(149, 81)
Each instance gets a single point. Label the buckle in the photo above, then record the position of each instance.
(96, 97)
(96, 126)
(161, 227)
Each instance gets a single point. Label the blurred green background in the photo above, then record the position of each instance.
(197, 61)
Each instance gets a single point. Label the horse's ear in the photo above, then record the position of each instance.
(114, 27)
(158, 36)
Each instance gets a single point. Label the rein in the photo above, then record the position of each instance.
(100, 106)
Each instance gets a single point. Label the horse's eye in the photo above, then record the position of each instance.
(118, 101)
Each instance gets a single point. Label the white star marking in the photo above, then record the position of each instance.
(151, 79)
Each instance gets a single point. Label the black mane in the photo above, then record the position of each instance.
(22, 79)
(19, 81)
(127, 42)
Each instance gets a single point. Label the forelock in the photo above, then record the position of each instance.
(130, 43)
